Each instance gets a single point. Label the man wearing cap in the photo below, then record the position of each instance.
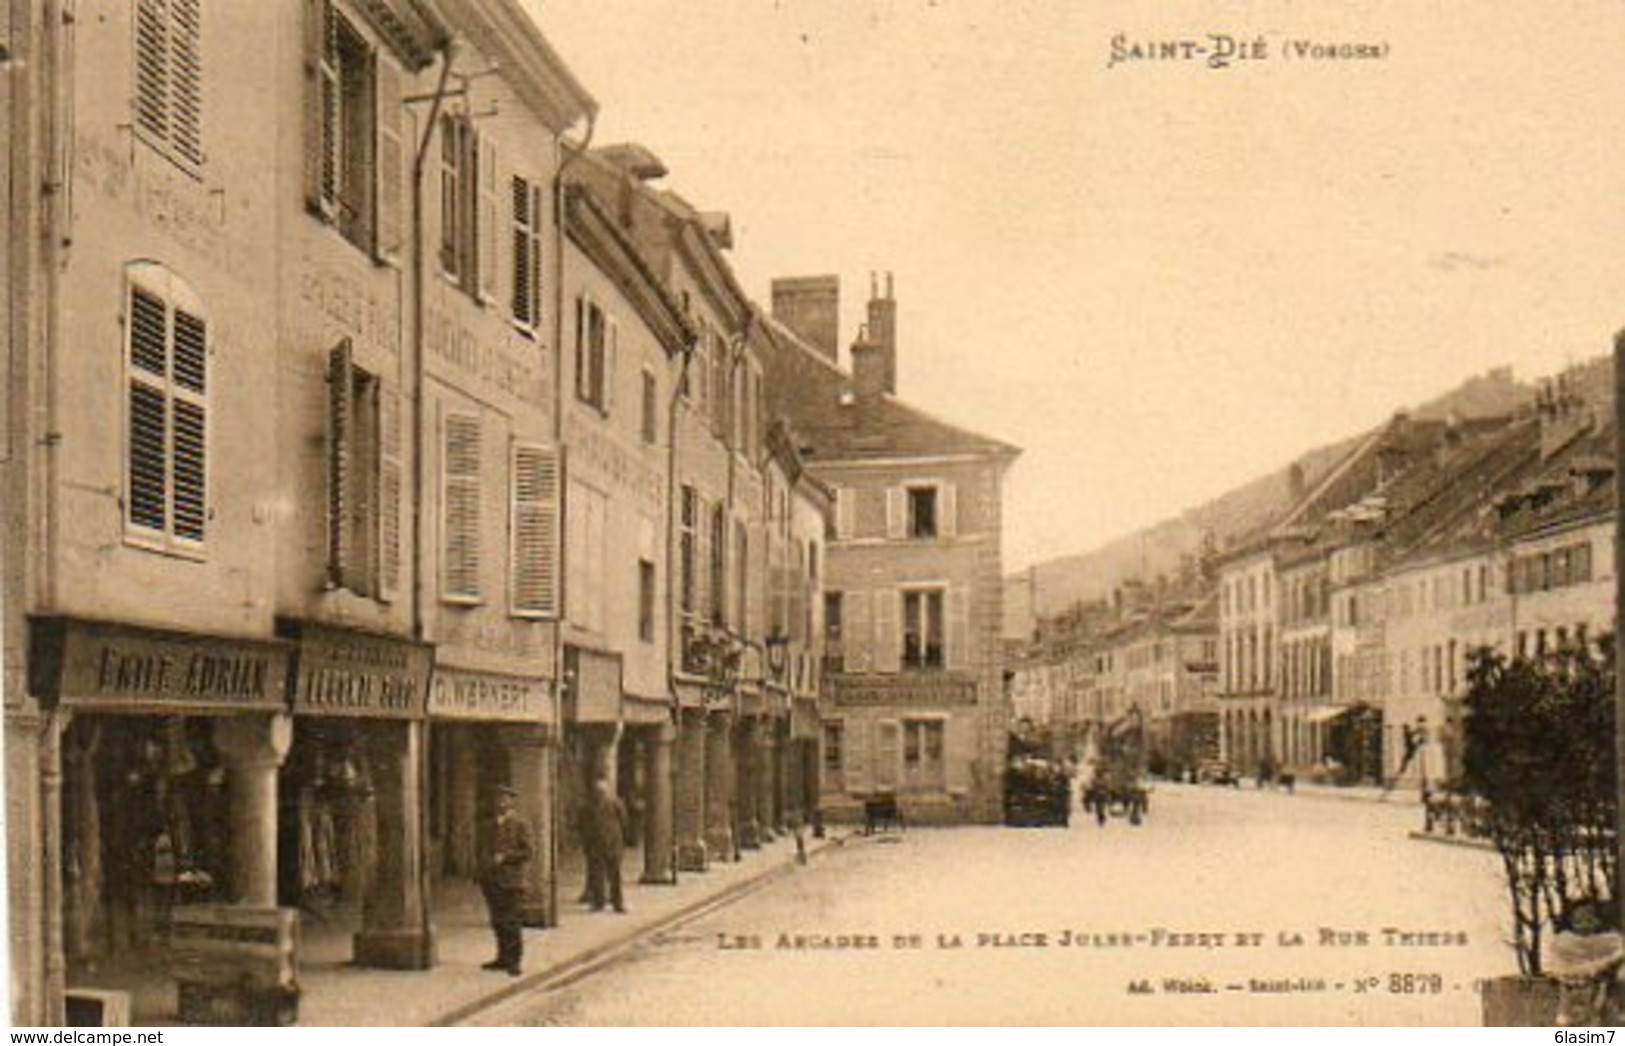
(503, 880)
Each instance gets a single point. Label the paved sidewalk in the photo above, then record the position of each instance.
(338, 994)
(1403, 796)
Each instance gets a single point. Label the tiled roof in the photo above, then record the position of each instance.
(1576, 483)
(1459, 517)
(834, 425)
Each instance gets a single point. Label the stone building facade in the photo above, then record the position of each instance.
(912, 604)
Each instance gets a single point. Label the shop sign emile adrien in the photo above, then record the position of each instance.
(95, 666)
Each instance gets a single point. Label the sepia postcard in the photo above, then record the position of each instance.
(811, 512)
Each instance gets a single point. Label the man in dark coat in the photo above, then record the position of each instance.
(606, 839)
(502, 878)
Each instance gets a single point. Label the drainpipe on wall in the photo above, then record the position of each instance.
(673, 520)
(51, 87)
(570, 153)
(419, 478)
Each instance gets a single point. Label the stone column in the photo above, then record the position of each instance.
(812, 783)
(395, 933)
(767, 777)
(689, 808)
(530, 768)
(253, 749)
(719, 785)
(748, 774)
(463, 834)
(657, 805)
(795, 787)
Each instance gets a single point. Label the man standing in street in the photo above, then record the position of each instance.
(607, 839)
(503, 880)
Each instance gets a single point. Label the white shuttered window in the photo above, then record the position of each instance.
(364, 481)
(534, 556)
(527, 252)
(461, 451)
(169, 78)
(166, 367)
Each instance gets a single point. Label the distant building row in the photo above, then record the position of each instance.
(1336, 641)
(1348, 627)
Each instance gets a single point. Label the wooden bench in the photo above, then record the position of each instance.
(881, 812)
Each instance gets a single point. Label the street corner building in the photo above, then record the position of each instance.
(374, 446)
(916, 709)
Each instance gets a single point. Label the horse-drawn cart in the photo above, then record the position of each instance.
(1116, 788)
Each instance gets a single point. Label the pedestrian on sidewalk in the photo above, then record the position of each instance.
(502, 880)
(798, 832)
(606, 843)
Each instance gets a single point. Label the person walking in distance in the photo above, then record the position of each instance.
(502, 879)
(608, 825)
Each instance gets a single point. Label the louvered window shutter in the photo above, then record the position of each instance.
(166, 490)
(460, 465)
(859, 640)
(581, 348)
(887, 754)
(595, 356)
(152, 68)
(612, 360)
(340, 461)
(860, 760)
(534, 557)
(959, 640)
(389, 201)
(947, 510)
(896, 513)
(888, 630)
(485, 204)
(390, 483)
(186, 80)
(845, 513)
(526, 253)
(321, 110)
(449, 199)
(148, 421)
(189, 425)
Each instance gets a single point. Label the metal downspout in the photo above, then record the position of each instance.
(570, 154)
(419, 479)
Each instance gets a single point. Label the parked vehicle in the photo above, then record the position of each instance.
(1037, 785)
(1037, 792)
(1218, 772)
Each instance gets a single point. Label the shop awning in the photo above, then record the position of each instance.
(1327, 713)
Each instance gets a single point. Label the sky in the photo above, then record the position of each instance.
(1160, 279)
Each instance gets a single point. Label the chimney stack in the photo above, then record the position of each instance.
(810, 306)
(883, 327)
(868, 369)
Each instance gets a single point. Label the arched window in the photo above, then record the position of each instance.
(166, 365)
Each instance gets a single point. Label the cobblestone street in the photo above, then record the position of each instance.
(1049, 926)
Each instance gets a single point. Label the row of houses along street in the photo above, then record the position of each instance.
(374, 441)
(1333, 638)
